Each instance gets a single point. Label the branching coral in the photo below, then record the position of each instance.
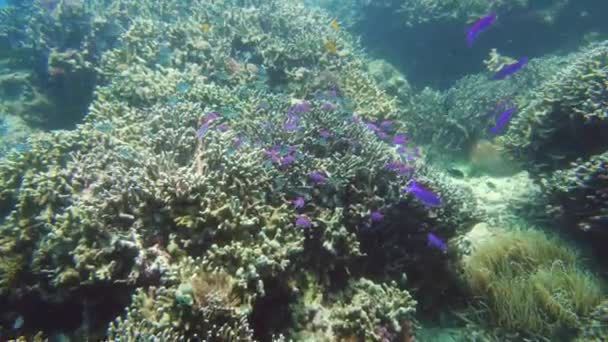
(201, 308)
(179, 157)
(373, 312)
(580, 193)
(566, 115)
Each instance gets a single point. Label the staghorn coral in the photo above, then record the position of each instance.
(580, 193)
(454, 120)
(569, 108)
(148, 179)
(199, 309)
(371, 311)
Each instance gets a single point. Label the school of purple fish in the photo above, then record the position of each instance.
(285, 156)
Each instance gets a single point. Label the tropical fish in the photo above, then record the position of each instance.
(502, 120)
(325, 133)
(202, 130)
(435, 242)
(510, 69)
(331, 47)
(386, 124)
(335, 25)
(317, 177)
(479, 26)
(291, 124)
(400, 139)
(288, 159)
(328, 107)
(303, 221)
(427, 197)
(399, 167)
(299, 202)
(273, 154)
(205, 27)
(376, 216)
(300, 108)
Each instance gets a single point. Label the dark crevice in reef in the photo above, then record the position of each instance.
(271, 313)
(83, 312)
(571, 140)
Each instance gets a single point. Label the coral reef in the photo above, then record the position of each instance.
(198, 144)
(201, 307)
(566, 116)
(580, 194)
(530, 284)
(373, 312)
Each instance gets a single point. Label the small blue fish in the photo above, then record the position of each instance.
(376, 216)
(328, 107)
(300, 108)
(273, 154)
(324, 133)
(303, 221)
(202, 130)
(510, 69)
(427, 197)
(317, 177)
(400, 139)
(399, 167)
(299, 202)
(502, 120)
(288, 160)
(435, 242)
(479, 26)
(386, 124)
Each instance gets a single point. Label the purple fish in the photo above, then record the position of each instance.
(386, 124)
(202, 130)
(436, 242)
(502, 120)
(210, 116)
(479, 26)
(372, 127)
(300, 108)
(427, 197)
(510, 69)
(376, 216)
(299, 202)
(291, 124)
(328, 107)
(303, 221)
(400, 139)
(399, 167)
(273, 154)
(223, 127)
(317, 177)
(288, 160)
(325, 134)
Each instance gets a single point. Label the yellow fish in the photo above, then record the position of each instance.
(205, 27)
(331, 47)
(334, 25)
